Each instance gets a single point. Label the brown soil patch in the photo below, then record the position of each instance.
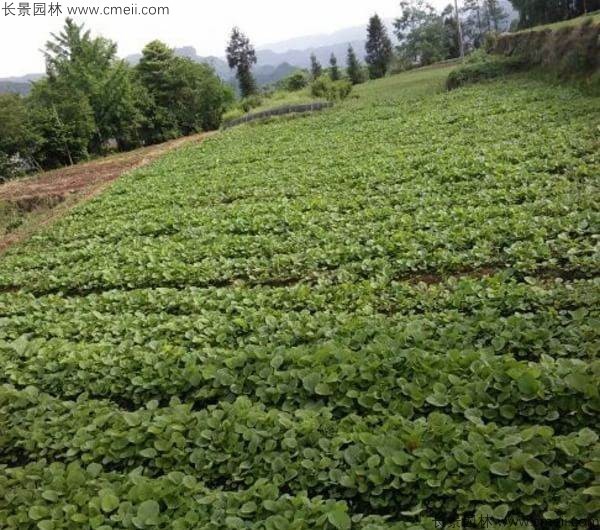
(47, 196)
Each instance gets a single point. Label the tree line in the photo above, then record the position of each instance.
(536, 12)
(91, 101)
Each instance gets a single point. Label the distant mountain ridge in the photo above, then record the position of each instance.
(274, 61)
(307, 42)
(15, 87)
(272, 65)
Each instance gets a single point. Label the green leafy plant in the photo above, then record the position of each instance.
(380, 317)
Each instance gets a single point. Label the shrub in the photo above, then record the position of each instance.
(251, 102)
(324, 87)
(233, 114)
(294, 82)
(8, 167)
(481, 69)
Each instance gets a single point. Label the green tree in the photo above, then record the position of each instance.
(63, 120)
(200, 97)
(182, 96)
(451, 33)
(422, 33)
(241, 56)
(16, 136)
(90, 66)
(353, 68)
(155, 72)
(378, 47)
(295, 81)
(316, 69)
(334, 71)
(534, 12)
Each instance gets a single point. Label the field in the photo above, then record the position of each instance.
(29, 203)
(382, 316)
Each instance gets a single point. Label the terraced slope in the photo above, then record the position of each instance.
(382, 316)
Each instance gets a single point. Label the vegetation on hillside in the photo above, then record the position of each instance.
(384, 317)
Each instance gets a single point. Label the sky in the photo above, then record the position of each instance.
(202, 24)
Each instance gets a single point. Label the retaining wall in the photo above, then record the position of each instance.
(279, 111)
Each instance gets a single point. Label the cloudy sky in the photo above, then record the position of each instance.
(202, 24)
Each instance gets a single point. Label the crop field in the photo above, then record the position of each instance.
(382, 316)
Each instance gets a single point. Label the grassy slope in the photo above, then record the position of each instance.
(399, 287)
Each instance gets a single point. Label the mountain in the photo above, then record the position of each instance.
(274, 61)
(23, 78)
(13, 87)
(18, 85)
(301, 58)
(309, 42)
(266, 72)
(277, 60)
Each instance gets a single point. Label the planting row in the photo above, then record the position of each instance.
(383, 463)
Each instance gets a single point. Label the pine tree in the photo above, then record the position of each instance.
(316, 69)
(241, 56)
(353, 67)
(334, 71)
(378, 47)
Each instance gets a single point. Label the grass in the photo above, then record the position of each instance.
(414, 84)
(379, 317)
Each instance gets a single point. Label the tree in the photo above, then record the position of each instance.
(353, 68)
(294, 81)
(16, 136)
(452, 33)
(334, 71)
(473, 23)
(423, 34)
(378, 47)
(155, 72)
(241, 56)
(91, 67)
(458, 22)
(182, 96)
(493, 15)
(199, 98)
(63, 119)
(534, 12)
(316, 69)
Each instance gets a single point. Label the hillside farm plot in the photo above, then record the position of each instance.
(384, 316)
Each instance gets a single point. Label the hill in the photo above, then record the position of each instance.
(8, 87)
(308, 42)
(383, 316)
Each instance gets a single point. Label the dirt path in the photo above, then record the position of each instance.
(40, 199)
